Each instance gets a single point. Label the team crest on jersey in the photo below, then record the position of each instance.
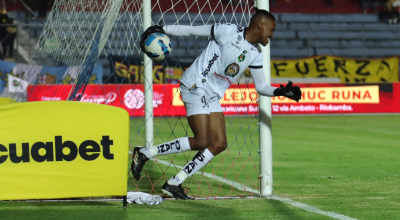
(232, 69)
(239, 38)
(241, 57)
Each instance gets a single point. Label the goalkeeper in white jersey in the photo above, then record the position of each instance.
(231, 50)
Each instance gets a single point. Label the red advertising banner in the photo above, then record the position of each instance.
(342, 98)
(318, 98)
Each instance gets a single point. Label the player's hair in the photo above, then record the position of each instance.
(262, 13)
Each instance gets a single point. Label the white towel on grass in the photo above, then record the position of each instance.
(136, 197)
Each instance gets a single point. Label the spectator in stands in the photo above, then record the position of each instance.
(387, 15)
(392, 3)
(1, 52)
(42, 8)
(370, 3)
(273, 2)
(9, 38)
(329, 2)
(395, 14)
(3, 27)
(396, 4)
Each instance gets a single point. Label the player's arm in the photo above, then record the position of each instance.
(289, 91)
(185, 30)
(177, 30)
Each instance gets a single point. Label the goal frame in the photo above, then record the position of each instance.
(265, 116)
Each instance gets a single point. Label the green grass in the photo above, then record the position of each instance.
(239, 163)
(343, 164)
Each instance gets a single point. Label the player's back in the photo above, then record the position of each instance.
(226, 56)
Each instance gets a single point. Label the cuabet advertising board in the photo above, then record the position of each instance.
(62, 150)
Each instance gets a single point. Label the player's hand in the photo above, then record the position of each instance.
(289, 91)
(150, 30)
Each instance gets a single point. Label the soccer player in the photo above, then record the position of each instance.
(231, 50)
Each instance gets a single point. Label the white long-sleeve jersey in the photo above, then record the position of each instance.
(226, 56)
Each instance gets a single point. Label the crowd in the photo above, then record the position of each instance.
(390, 12)
(8, 28)
(387, 10)
(8, 33)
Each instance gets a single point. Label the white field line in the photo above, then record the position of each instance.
(249, 189)
(238, 186)
(310, 208)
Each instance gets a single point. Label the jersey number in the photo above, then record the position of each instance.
(204, 101)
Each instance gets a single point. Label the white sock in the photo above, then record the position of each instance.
(199, 160)
(172, 147)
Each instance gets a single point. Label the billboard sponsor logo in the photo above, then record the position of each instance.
(293, 108)
(134, 99)
(46, 98)
(347, 94)
(343, 107)
(58, 150)
(157, 99)
(312, 108)
(240, 96)
(99, 99)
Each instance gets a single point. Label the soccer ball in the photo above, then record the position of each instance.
(158, 46)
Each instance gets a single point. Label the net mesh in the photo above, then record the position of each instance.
(84, 37)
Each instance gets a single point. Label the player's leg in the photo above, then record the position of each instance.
(197, 107)
(200, 125)
(213, 141)
(218, 133)
(143, 154)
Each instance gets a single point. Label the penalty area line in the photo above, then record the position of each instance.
(245, 188)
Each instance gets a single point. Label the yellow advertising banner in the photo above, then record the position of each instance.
(60, 149)
(6, 100)
(344, 94)
(348, 70)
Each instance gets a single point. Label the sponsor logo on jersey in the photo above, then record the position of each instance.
(222, 77)
(210, 64)
(235, 45)
(241, 57)
(239, 29)
(239, 38)
(232, 70)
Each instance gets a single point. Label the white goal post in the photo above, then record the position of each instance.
(265, 122)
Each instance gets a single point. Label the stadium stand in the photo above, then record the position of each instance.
(318, 30)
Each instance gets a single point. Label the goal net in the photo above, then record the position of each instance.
(89, 52)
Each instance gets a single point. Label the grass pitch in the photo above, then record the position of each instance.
(343, 164)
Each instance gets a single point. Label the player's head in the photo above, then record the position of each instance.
(263, 24)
